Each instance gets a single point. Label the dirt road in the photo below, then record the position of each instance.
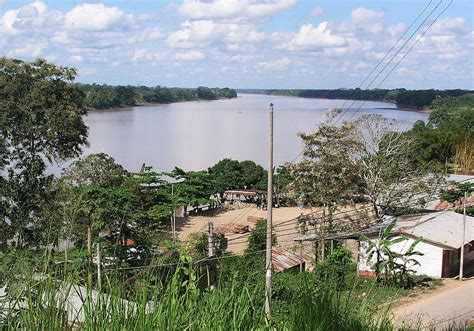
(453, 303)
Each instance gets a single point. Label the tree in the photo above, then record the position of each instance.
(85, 189)
(40, 122)
(227, 175)
(253, 175)
(194, 189)
(389, 177)
(284, 180)
(448, 136)
(326, 177)
(257, 241)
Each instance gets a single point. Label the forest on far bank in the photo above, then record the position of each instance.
(111, 96)
(412, 99)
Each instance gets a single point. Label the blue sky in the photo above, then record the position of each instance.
(242, 43)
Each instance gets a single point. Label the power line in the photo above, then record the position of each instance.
(178, 263)
(405, 55)
(392, 58)
(391, 49)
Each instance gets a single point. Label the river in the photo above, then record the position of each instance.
(194, 135)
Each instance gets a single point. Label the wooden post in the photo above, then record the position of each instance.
(173, 220)
(301, 256)
(99, 268)
(268, 254)
(323, 250)
(210, 239)
(461, 259)
(210, 251)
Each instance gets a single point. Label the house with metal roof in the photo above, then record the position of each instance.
(441, 236)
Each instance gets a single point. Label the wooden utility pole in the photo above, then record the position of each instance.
(301, 256)
(461, 260)
(210, 251)
(268, 255)
(99, 269)
(210, 239)
(173, 221)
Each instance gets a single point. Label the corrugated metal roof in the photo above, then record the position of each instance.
(245, 192)
(461, 178)
(442, 228)
(283, 259)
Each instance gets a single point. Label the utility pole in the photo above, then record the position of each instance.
(210, 252)
(268, 255)
(301, 256)
(173, 221)
(99, 267)
(461, 260)
(210, 239)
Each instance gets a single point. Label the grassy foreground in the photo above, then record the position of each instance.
(58, 303)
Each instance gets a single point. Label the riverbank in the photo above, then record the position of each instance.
(148, 104)
(116, 96)
(413, 100)
(425, 110)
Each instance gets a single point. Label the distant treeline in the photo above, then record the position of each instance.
(109, 96)
(413, 99)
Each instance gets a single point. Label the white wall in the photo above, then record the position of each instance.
(430, 263)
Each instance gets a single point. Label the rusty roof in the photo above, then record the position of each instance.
(283, 259)
(245, 192)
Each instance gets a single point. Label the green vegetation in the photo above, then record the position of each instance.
(362, 161)
(40, 121)
(300, 300)
(109, 96)
(448, 136)
(412, 99)
(396, 267)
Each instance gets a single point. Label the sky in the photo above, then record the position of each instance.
(245, 43)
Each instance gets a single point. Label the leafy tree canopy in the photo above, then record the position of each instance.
(40, 121)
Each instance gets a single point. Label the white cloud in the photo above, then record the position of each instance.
(154, 34)
(75, 58)
(311, 38)
(449, 26)
(28, 50)
(104, 41)
(192, 31)
(316, 12)
(397, 29)
(198, 33)
(96, 17)
(276, 65)
(190, 55)
(32, 16)
(364, 15)
(197, 9)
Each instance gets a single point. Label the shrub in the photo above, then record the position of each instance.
(337, 267)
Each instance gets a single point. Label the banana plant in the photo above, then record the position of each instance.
(387, 261)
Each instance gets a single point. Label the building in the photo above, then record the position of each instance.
(438, 204)
(283, 259)
(441, 234)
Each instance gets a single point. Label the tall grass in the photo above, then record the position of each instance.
(45, 303)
